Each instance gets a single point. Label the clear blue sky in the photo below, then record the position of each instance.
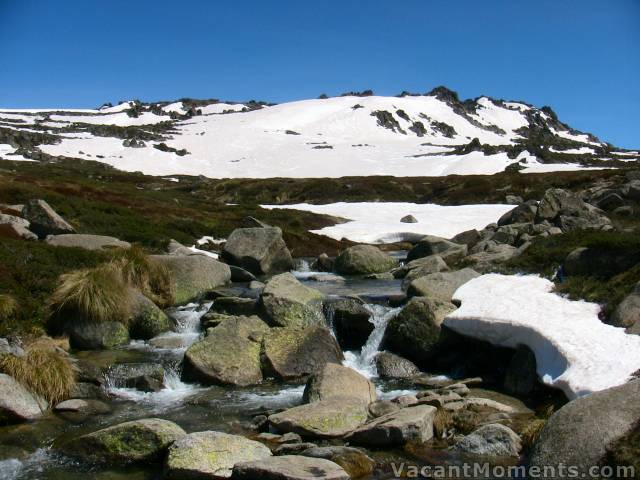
(582, 57)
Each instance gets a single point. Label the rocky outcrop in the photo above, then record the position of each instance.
(337, 381)
(211, 455)
(289, 467)
(288, 303)
(88, 242)
(567, 211)
(17, 404)
(440, 286)
(392, 366)
(494, 440)
(258, 250)
(363, 259)
(44, 220)
(350, 321)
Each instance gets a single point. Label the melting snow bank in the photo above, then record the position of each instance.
(379, 222)
(574, 350)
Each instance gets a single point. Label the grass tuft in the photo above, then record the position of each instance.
(442, 420)
(8, 306)
(531, 432)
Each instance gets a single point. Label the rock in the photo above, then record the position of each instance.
(337, 381)
(625, 211)
(579, 433)
(523, 213)
(363, 259)
(513, 199)
(87, 391)
(293, 448)
(170, 342)
(390, 365)
(610, 202)
(323, 263)
(289, 467)
(17, 404)
(147, 320)
(10, 348)
(84, 406)
(258, 250)
(252, 222)
(383, 407)
(146, 377)
(15, 227)
(408, 219)
(422, 267)
(44, 220)
(138, 441)
(330, 418)
(354, 461)
(235, 305)
(521, 376)
(493, 440)
(567, 211)
(295, 353)
(211, 455)
(405, 400)
(96, 335)
(494, 254)
(413, 424)
(194, 275)
(240, 274)
(627, 314)
(432, 245)
(228, 355)
(440, 286)
(176, 248)
(258, 286)
(88, 242)
(468, 238)
(415, 332)
(599, 263)
(350, 320)
(288, 303)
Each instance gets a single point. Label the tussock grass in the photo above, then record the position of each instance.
(45, 370)
(8, 306)
(531, 432)
(442, 420)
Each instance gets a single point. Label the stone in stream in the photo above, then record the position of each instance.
(331, 418)
(211, 455)
(258, 250)
(88, 242)
(363, 259)
(17, 404)
(354, 461)
(494, 440)
(289, 467)
(44, 220)
(413, 424)
(147, 320)
(137, 441)
(441, 285)
(432, 245)
(288, 303)
(96, 335)
(146, 377)
(235, 306)
(389, 365)
(337, 381)
(292, 354)
(350, 321)
(84, 406)
(419, 268)
(228, 355)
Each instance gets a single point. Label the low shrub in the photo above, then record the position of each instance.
(8, 307)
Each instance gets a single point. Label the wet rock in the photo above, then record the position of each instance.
(413, 424)
(258, 250)
(390, 365)
(96, 335)
(170, 342)
(146, 377)
(432, 245)
(337, 381)
(211, 455)
(323, 263)
(289, 467)
(88, 242)
(147, 320)
(494, 440)
(441, 286)
(350, 321)
(521, 376)
(137, 441)
(240, 274)
(364, 259)
(295, 353)
(87, 391)
(330, 418)
(288, 303)
(408, 219)
(17, 404)
(354, 461)
(84, 406)
(235, 305)
(44, 220)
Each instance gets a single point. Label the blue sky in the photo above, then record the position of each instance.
(582, 57)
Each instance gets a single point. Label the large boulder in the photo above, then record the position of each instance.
(17, 404)
(337, 381)
(421, 267)
(96, 335)
(295, 353)
(411, 424)
(15, 227)
(211, 455)
(442, 285)
(332, 418)
(468, 238)
(493, 440)
(627, 314)
(235, 305)
(580, 433)
(432, 245)
(597, 262)
(392, 366)
(44, 220)
(289, 467)
(137, 441)
(493, 254)
(258, 250)
(523, 213)
(288, 303)
(229, 354)
(354, 461)
(194, 275)
(569, 212)
(88, 242)
(350, 321)
(147, 320)
(363, 259)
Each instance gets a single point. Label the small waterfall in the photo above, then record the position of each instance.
(187, 318)
(364, 362)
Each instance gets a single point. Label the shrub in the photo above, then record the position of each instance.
(45, 370)
(8, 307)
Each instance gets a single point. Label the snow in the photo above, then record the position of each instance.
(575, 151)
(117, 108)
(533, 166)
(217, 108)
(174, 107)
(574, 350)
(379, 222)
(120, 119)
(7, 152)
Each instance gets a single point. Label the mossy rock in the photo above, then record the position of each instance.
(85, 335)
(288, 303)
(364, 259)
(147, 320)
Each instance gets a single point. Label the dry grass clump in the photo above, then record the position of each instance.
(531, 432)
(8, 306)
(45, 370)
(442, 420)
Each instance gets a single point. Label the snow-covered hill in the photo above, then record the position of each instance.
(411, 135)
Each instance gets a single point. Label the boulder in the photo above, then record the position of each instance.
(468, 238)
(15, 227)
(411, 424)
(288, 303)
(392, 366)
(137, 441)
(334, 380)
(364, 259)
(211, 455)
(17, 404)
(408, 219)
(422, 267)
(350, 321)
(523, 213)
(194, 275)
(332, 418)
(289, 467)
(513, 199)
(241, 275)
(259, 250)
(88, 242)
(235, 305)
(493, 440)
(442, 285)
(146, 377)
(147, 320)
(83, 406)
(627, 314)
(44, 220)
(596, 262)
(228, 355)
(493, 254)
(354, 461)
(610, 201)
(380, 408)
(567, 211)
(521, 376)
(579, 433)
(323, 263)
(96, 335)
(432, 245)
(295, 353)
(10, 348)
